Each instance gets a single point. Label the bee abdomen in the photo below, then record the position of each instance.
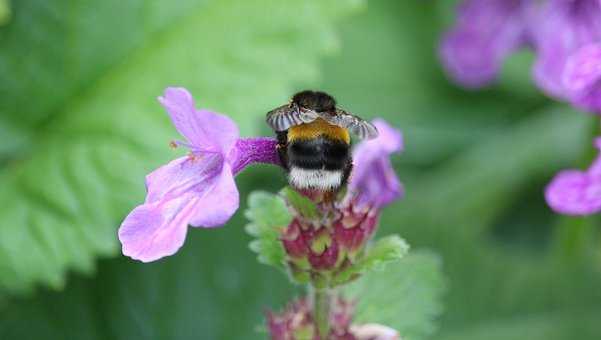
(318, 163)
(319, 153)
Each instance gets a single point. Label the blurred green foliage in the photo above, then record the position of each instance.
(80, 127)
(404, 296)
(4, 12)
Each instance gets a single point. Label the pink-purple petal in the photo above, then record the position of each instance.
(595, 168)
(253, 150)
(486, 32)
(582, 77)
(559, 29)
(155, 230)
(389, 141)
(182, 175)
(374, 180)
(218, 202)
(197, 189)
(158, 228)
(204, 130)
(574, 192)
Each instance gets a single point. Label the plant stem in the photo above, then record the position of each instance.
(321, 311)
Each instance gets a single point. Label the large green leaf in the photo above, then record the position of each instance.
(406, 296)
(214, 288)
(64, 196)
(4, 12)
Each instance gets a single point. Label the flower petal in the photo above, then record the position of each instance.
(486, 32)
(190, 190)
(574, 192)
(558, 30)
(182, 175)
(595, 168)
(219, 202)
(373, 179)
(582, 77)
(204, 130)
(253, 150)
(155, 230)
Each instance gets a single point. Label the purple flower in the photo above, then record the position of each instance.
(197, 189)
(486, 32)
(322, 247)
(297, 321)
(582, 77)
(559, 29)
(561, 32)
(373, 180)
(574, 192)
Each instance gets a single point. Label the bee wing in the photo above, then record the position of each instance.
(285, 116)
(356, 125)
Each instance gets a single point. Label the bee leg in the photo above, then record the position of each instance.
(282, 148)
(346, 174)
(283, 154)
(329, 197)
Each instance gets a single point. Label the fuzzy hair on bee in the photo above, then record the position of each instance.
(314, 142)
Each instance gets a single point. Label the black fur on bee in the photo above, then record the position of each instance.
(314, 141)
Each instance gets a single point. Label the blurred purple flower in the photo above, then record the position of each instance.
(198, 189)
(582, 77)
(373, 180)
(574, 192)
(485, 33)
(559, 29)
(561, 32)
(297, 321)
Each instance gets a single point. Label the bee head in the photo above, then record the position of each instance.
(315, 100)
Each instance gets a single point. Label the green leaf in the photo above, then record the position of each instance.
(268, 215)
(194, 294)
(5, 12)
(385, 251)
(300, 203)
(407, 296)
(64, 196)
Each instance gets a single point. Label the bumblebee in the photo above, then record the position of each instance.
(314, 140)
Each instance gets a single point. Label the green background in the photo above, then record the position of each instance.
(80, 127)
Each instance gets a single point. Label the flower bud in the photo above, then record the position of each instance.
(319, 248)
(354, 227)
(297, 322)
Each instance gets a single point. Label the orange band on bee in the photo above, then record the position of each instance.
(316, 128)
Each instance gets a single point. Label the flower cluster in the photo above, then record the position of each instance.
(565, 35)
(324, 248)
(566, 38)
(296, 322)
(198, 189)
(325, 241)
